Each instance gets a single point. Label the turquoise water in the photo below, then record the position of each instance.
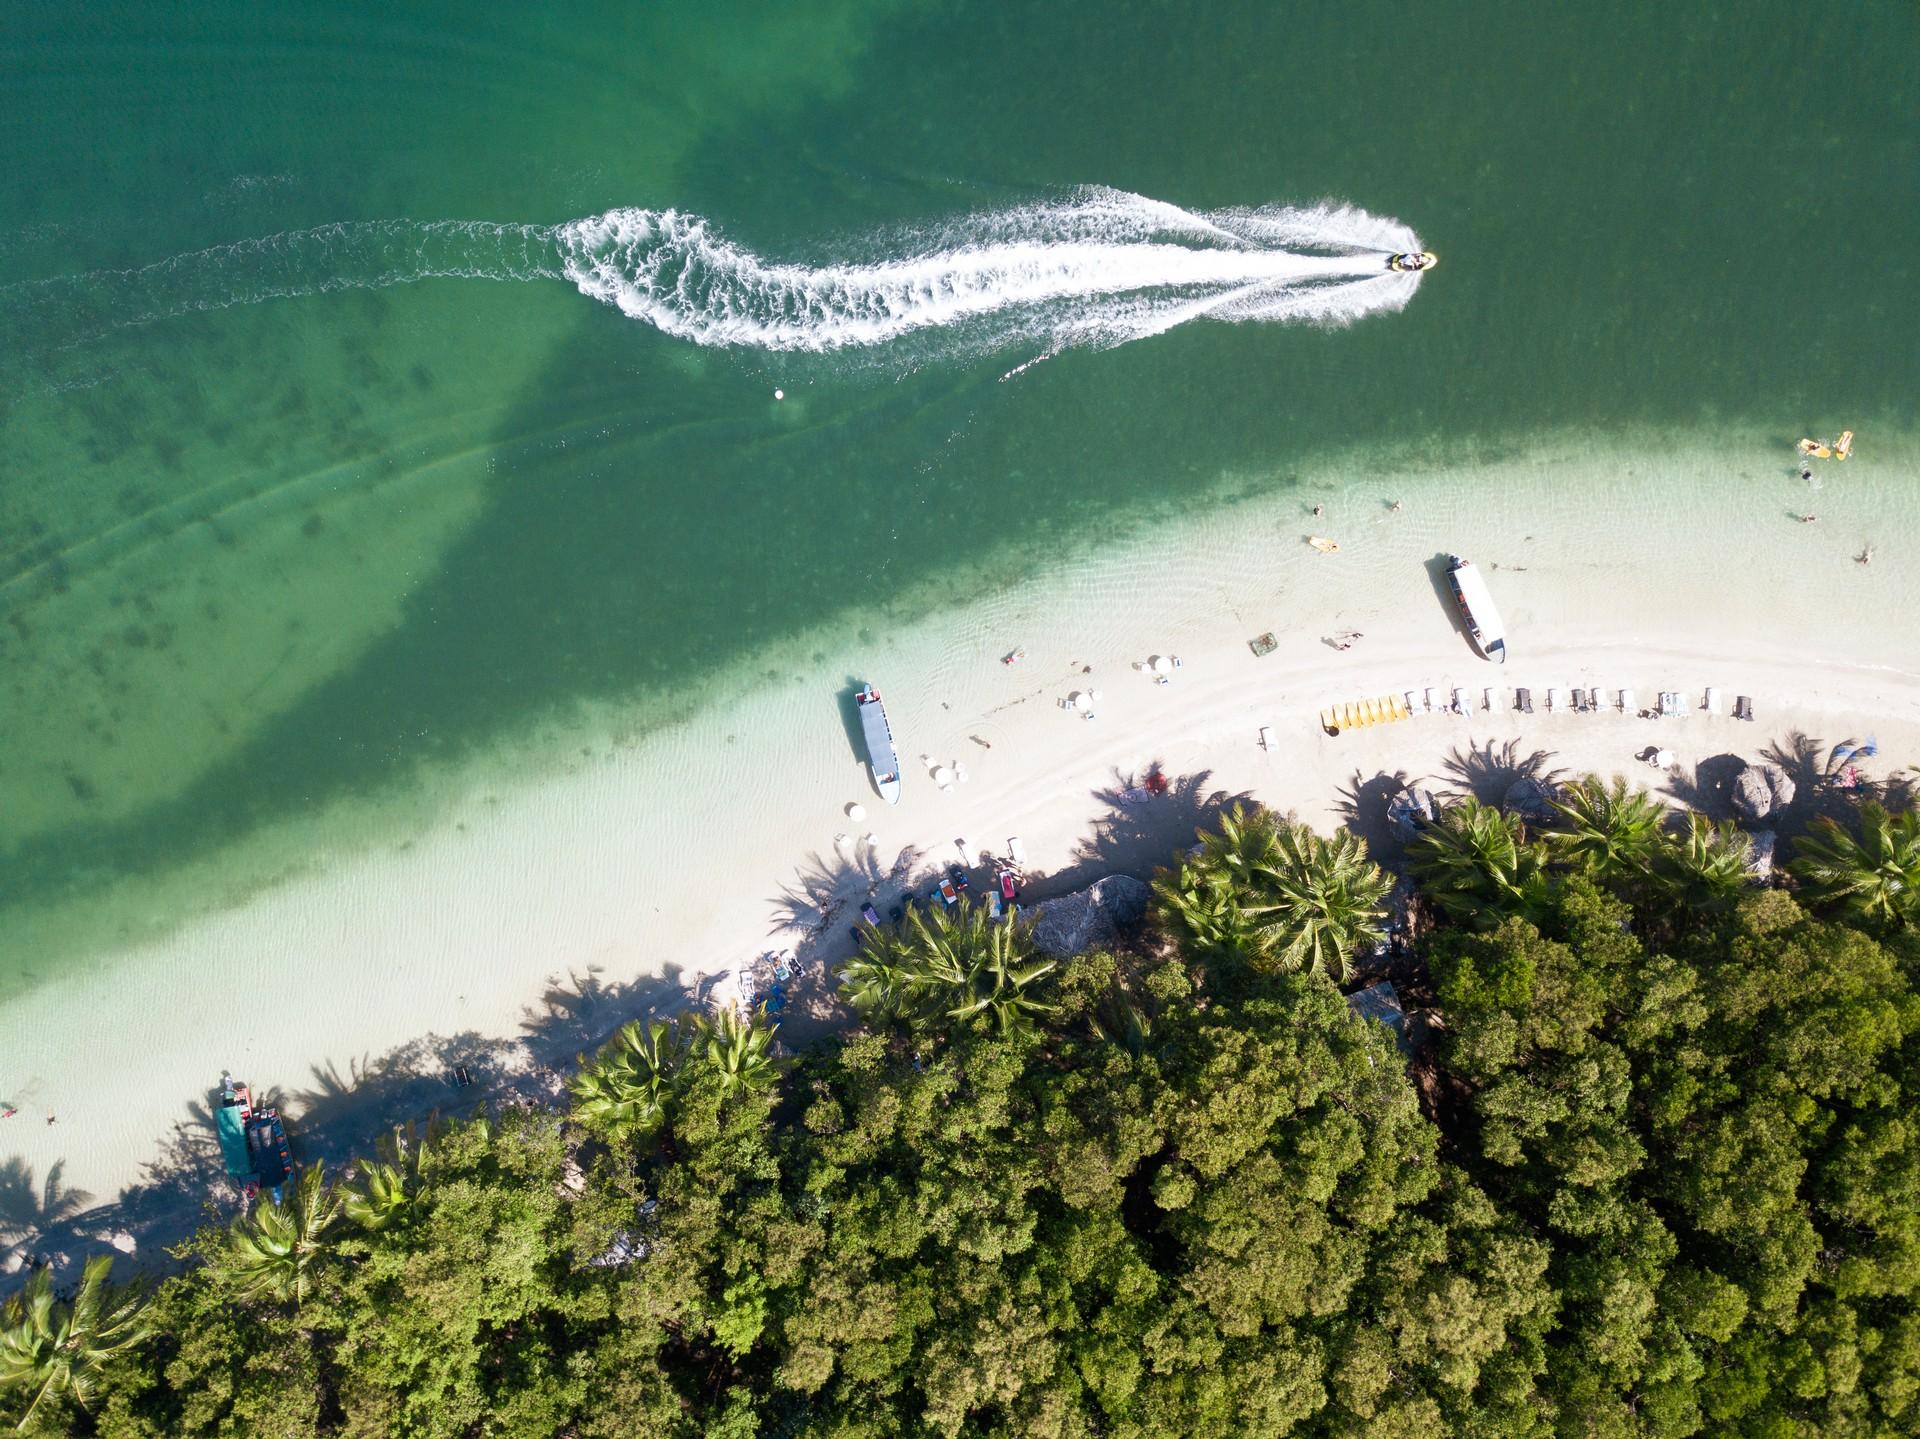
(260, 554)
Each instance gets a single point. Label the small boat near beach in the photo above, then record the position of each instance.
(1477, 609)
(253, 1141)
(230, 1124)
(881, 759)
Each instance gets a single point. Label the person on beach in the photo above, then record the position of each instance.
(1865, 557)
(1394, 508)
(1319, 510)
(1806, 519)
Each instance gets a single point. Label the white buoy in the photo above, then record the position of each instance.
(779, 394)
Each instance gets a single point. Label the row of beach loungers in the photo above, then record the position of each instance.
(1554, 700)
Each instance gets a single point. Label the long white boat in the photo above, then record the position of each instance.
(1477, 609)
(881, 759)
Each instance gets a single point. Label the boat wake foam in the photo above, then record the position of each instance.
(1100, 268)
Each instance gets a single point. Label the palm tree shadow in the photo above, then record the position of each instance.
(1363, 803)
(339, 1114)
(1139, 832)
(1486, 772)
(1709, 789)
(822, 888)
(1814, 766)
(31, 1213)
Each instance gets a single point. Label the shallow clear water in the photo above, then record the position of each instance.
(262, 554)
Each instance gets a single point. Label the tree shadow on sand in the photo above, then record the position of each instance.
(32, 1215)
(1709, 789)
(1363, 804)
(1139, 832)
(1815, 767)
(338, 1115)
(1487, 771)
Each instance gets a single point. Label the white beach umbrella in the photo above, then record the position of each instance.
(942, 776)
(856, 811)
(1160, 665)
(1073, 700)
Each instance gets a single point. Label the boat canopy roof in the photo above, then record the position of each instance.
(231, 1126)
(1477, 600)
(879, 737)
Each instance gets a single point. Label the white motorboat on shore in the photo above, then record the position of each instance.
(1482, 618)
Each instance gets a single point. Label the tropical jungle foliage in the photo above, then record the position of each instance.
(1660, 1176)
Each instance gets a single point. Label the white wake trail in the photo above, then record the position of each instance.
(1100, 268)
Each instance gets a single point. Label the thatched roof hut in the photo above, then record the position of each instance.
(1531, 799)
(1410, 809)
(1761, 791)
(1090, 917)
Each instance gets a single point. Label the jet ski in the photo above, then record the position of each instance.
(1412, 260)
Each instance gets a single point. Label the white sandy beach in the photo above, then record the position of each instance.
(554, 905)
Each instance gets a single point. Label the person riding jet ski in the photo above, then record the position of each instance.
(1412, 260)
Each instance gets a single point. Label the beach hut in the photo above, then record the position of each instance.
(1531, 799)
(1761, 791)
(1381, 1003)
(1411, 809)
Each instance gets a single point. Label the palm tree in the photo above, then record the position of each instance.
(1206, 906)
(1875, 877)
(623, 1092)
(1273, 894)
(878, 980)
(1326, 895)
(1473, 863)
(1115, 1019)
(739, 1050)
(1607, 829)
(276, 1252)
(1705, 865)
(393, 1188)
(57, 1348)
(974, 966)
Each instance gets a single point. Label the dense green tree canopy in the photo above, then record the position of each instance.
(1661, 1178)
